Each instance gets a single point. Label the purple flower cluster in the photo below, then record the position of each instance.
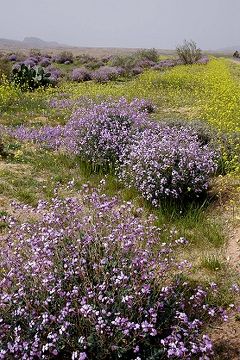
(31, 61)
(203, 60)
(137, 70)
(107, 73)
(167, 162)
(45, 61)
(81, 74)
(168, 63)
(99, 134)
(12, 57)
(145, 63)
(55, 74)
(65, 102)
(88, 275)
(51, 137)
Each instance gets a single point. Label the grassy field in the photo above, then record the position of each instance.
(198, 92)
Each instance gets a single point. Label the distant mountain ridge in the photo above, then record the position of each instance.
(29, 43)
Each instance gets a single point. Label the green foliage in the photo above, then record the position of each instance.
(148, 54)
(189, 53)
(126, 62)
(129, 61)
(28, 78)
(5, 69)
(212, 263)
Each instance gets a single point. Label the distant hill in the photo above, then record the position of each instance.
(29, 43)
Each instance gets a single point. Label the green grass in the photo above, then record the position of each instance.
(212, 262)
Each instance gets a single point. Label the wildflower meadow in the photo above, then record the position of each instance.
(119, 188)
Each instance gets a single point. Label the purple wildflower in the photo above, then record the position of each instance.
(81, 74)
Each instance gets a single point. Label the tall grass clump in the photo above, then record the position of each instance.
(88, 275)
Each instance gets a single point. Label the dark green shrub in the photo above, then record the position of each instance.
(236, 54)
(28, 78)
(189, 53)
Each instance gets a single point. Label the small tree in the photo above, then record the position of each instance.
(189, 53)
(236, 54)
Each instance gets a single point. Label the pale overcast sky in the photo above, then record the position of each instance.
(162, 24)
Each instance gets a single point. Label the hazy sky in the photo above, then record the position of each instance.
(123, 23)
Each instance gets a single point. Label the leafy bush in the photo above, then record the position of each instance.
(80, 74)
(63, 57)
(139, 60)
(126, 62)
(189, 53)
(168, 162)
(30, 78)
(88, 275)
(148, 54)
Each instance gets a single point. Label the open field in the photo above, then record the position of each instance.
(32, 170)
